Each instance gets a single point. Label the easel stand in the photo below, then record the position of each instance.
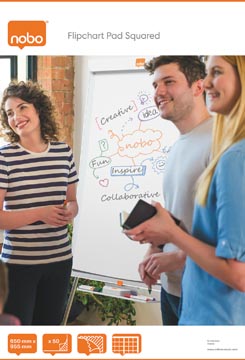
(137, 298)
(70, 300)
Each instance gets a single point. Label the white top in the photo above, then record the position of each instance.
(188, 158)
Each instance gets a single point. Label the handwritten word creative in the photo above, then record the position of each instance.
(106, 119)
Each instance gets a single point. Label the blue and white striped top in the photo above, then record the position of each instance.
(34, 180)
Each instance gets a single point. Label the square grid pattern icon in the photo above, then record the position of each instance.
(126, 343)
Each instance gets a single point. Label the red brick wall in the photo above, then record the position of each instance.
(56, 75)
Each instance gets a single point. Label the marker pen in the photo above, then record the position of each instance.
(89, 288)
(86, 287)
(140, 297)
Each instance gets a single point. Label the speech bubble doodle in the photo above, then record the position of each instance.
(99, 162)
(149, 113)
(22, 343)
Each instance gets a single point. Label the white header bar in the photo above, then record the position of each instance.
(130, 28)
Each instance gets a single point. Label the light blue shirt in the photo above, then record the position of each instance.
(221, 223)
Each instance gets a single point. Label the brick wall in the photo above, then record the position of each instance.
(56, 75)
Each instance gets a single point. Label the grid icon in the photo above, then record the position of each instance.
(126, 343)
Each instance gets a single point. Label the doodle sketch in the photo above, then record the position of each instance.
(124, 151)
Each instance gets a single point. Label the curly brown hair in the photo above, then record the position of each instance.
(32, 93)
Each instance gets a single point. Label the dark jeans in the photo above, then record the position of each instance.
(169, 308)
(38, 293)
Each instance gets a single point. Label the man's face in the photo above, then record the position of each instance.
(173, 96)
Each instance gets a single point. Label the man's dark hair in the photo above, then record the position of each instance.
(192, 67)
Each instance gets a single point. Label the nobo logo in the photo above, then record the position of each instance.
(26, 33)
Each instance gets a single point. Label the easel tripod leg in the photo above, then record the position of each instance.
(70, 300)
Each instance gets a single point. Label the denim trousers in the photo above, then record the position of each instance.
(169, 308)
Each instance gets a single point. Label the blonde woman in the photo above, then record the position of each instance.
(213, 283)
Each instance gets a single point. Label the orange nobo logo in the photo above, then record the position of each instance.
(26, 33)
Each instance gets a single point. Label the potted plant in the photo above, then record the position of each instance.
(112, 310)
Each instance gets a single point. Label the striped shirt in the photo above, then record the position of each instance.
(34, 180)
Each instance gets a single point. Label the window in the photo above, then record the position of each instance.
(16, 67)
(8, 72)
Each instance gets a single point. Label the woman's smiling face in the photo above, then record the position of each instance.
(22, 117)
(222, 85)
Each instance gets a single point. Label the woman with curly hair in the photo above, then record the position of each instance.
(37, 175)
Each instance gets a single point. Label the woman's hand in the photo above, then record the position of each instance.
(55, 215)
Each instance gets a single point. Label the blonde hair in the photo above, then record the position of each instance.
(227, 131)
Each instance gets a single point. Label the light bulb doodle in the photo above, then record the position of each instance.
(143, 99)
